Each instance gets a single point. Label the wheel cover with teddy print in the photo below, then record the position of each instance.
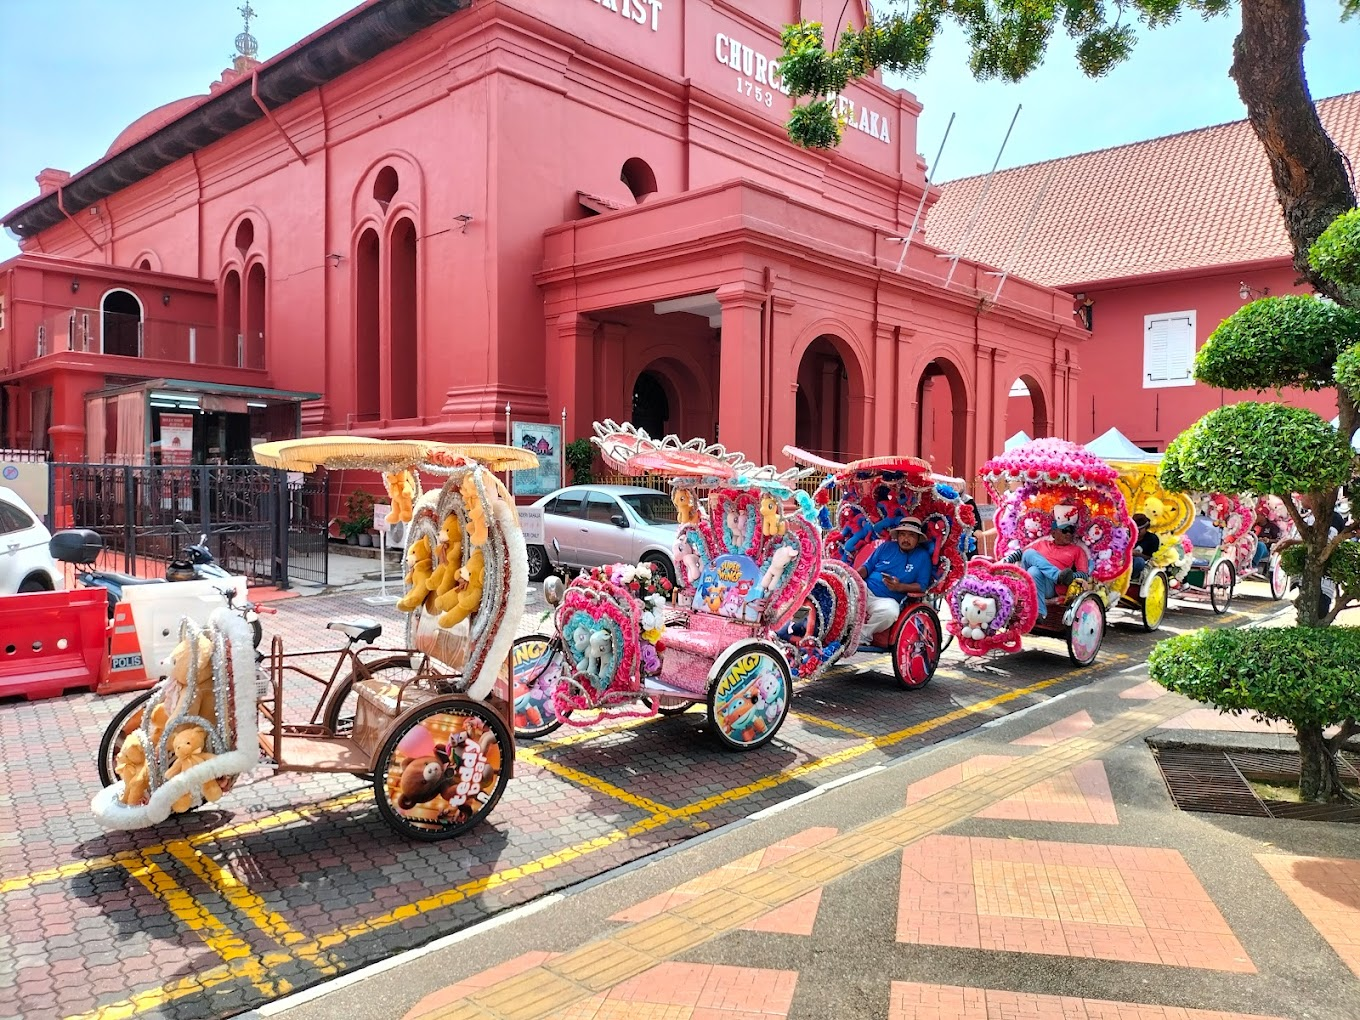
(749, 696)
(442, 769)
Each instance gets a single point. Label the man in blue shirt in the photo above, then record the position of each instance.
(897, 570)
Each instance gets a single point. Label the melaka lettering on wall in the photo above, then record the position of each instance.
(758, 80)
(641, 12)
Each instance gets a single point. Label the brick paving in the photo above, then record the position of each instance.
(293, 878)
(912, 1001)
(1327, 892)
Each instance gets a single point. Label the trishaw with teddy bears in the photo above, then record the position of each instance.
(871, 497)
(1035, 486)
(619, 650)
(428, 724)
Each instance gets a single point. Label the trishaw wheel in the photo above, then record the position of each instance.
(1279, 580)
(668, 705)
(917, 647)
(1087, 632)
(1221, 587)
(442, 769)
(749, 698)
(129, 717)
(344, 699)
(537, 664)
(1154, 602)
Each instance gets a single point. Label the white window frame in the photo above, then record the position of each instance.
(1150, 383)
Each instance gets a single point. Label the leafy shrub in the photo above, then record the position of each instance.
(1276, 342)
(1336, 252)
(580, 458)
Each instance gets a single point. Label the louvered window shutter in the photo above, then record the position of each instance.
(1169, 350)
(1180, 350)
(1154, 352)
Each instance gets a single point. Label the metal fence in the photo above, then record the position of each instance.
(267, 525)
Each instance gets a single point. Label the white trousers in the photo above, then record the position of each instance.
(882, 614)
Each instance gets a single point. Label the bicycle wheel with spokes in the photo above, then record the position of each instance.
(129, 717)
(344, 699)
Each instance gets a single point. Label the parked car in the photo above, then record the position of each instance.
(592, 525)
(25, 562)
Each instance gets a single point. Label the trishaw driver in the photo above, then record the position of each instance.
(896, 571)
(1056, 560)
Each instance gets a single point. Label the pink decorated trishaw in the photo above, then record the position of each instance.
(1038, 485)
(871, 497)
(621, 649)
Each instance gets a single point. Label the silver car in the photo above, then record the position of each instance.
(593, 525)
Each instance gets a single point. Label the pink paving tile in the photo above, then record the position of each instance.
(794, 918)
(1079, 795)
(669, 984)
(1135, 904)
(1046, 736)
(1327, 893)
(1146, 691)
(436, 1001)
(1212, 719)
(748, 989)
(911, 1001)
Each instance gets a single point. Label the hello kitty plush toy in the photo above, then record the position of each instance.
(978, 613)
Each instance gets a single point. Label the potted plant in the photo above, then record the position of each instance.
(580, 458)
(358, 517)
(350, 531)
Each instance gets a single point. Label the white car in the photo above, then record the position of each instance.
(594, 525)
(25, 562)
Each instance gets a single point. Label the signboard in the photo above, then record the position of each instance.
(380, 512)
(531, 524)
(177, 438)
(546, 442)
(28, 481)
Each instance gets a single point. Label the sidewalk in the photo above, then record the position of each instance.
(1032, 869)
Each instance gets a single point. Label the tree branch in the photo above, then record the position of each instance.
(1349, 728)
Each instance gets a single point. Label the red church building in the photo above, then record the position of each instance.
(430, 209)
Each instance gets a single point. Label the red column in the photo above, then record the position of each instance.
(739, 380)
(571, 346)
(783, 382)
(884, 386)
(614, 395)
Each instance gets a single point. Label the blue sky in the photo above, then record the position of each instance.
(73, 75)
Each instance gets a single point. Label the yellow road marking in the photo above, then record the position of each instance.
(248, 903)
(591, 782)
(817, 720)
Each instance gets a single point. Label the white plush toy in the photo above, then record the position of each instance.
(600, 644)
(978, 613)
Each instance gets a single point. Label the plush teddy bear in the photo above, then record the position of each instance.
(449, 553)
(187, 746)
(401, 493)
(419, 568)
(463, 598)
(771, 519)
(978, 612)
(132, 770)
(477, 529)
(188, 691)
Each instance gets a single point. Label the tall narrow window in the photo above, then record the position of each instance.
(1168, 350)
(367, 349)
(255, 305)
(404, 375)
(233, 349)
(121, 323)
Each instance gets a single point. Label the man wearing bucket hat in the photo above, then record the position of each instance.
(897, 570)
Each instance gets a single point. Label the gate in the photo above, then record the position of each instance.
(261, 523)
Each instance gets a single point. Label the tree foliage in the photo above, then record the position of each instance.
(1336, 252)
(1263, 449)
(1275, 342)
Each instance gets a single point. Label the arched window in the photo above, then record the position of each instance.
(120, 315)
(367, 329)
(254, 316)
(233, 348)
(638, 176)
(403, 373)
(144, 264)
(385, 186)
(245, 236)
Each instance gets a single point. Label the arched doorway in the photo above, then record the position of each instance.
(1026, 409)
(942, 418)
(651, 405)
(120, 315)
(822, 408)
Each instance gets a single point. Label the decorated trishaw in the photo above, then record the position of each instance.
(871, 497)
(1272, 509)
(1169, 515)
(620, 650)
(1036, 486)
(1220, 541)
(427, 724)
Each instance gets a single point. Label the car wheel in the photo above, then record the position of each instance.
(539, 567)
(35, 582)
(667, 567)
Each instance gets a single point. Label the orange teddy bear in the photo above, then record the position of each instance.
(188, 746)
(417, 576)
(401, 493)
(132, 770)
(448, 553)
(196, 698)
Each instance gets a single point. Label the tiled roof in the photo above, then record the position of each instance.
(1197, 199)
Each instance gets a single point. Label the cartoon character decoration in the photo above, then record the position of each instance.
(992, 606)
(686, 505)
(402, 489)
(445, 768)
(978, 612)
(771, 516)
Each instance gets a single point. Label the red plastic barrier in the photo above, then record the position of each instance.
(52, 642)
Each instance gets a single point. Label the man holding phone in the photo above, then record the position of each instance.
(899, 569)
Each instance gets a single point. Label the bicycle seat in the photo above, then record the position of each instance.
(357, 630)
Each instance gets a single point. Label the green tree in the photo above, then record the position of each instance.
(1009, 38)
(1306, 675)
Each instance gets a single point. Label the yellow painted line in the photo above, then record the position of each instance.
(193, 984)
(816, 720)
(592, 782)
(248, 903)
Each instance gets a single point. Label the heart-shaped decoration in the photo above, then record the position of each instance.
(598, 621)
(1010, 590)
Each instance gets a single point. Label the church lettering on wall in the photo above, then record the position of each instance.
(640, 12)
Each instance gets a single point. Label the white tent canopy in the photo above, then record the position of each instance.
(1117, 447)
(1355, 439)
(1019, 439)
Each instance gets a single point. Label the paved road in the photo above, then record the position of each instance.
(293, 879)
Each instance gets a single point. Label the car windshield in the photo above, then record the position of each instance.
(651, 508)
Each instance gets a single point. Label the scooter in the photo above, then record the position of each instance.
(81, 547)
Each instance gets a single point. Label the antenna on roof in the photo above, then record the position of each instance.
(978, 203)
(906, 241)
(1019, 245)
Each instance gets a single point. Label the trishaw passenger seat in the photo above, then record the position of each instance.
(363, 631)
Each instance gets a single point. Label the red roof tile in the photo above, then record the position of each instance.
(1197, 199)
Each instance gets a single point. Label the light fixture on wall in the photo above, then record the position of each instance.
(165, 298)
(464, 219)
(75, 284)
(1082, 311)
(1247, 293)
(336, 258)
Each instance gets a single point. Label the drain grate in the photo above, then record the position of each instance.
(1215, 782)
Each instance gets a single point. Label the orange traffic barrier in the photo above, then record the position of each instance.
(52, 642)
(126, 666)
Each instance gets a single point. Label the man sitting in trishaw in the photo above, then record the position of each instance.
(897, 570)
(1057, 560)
